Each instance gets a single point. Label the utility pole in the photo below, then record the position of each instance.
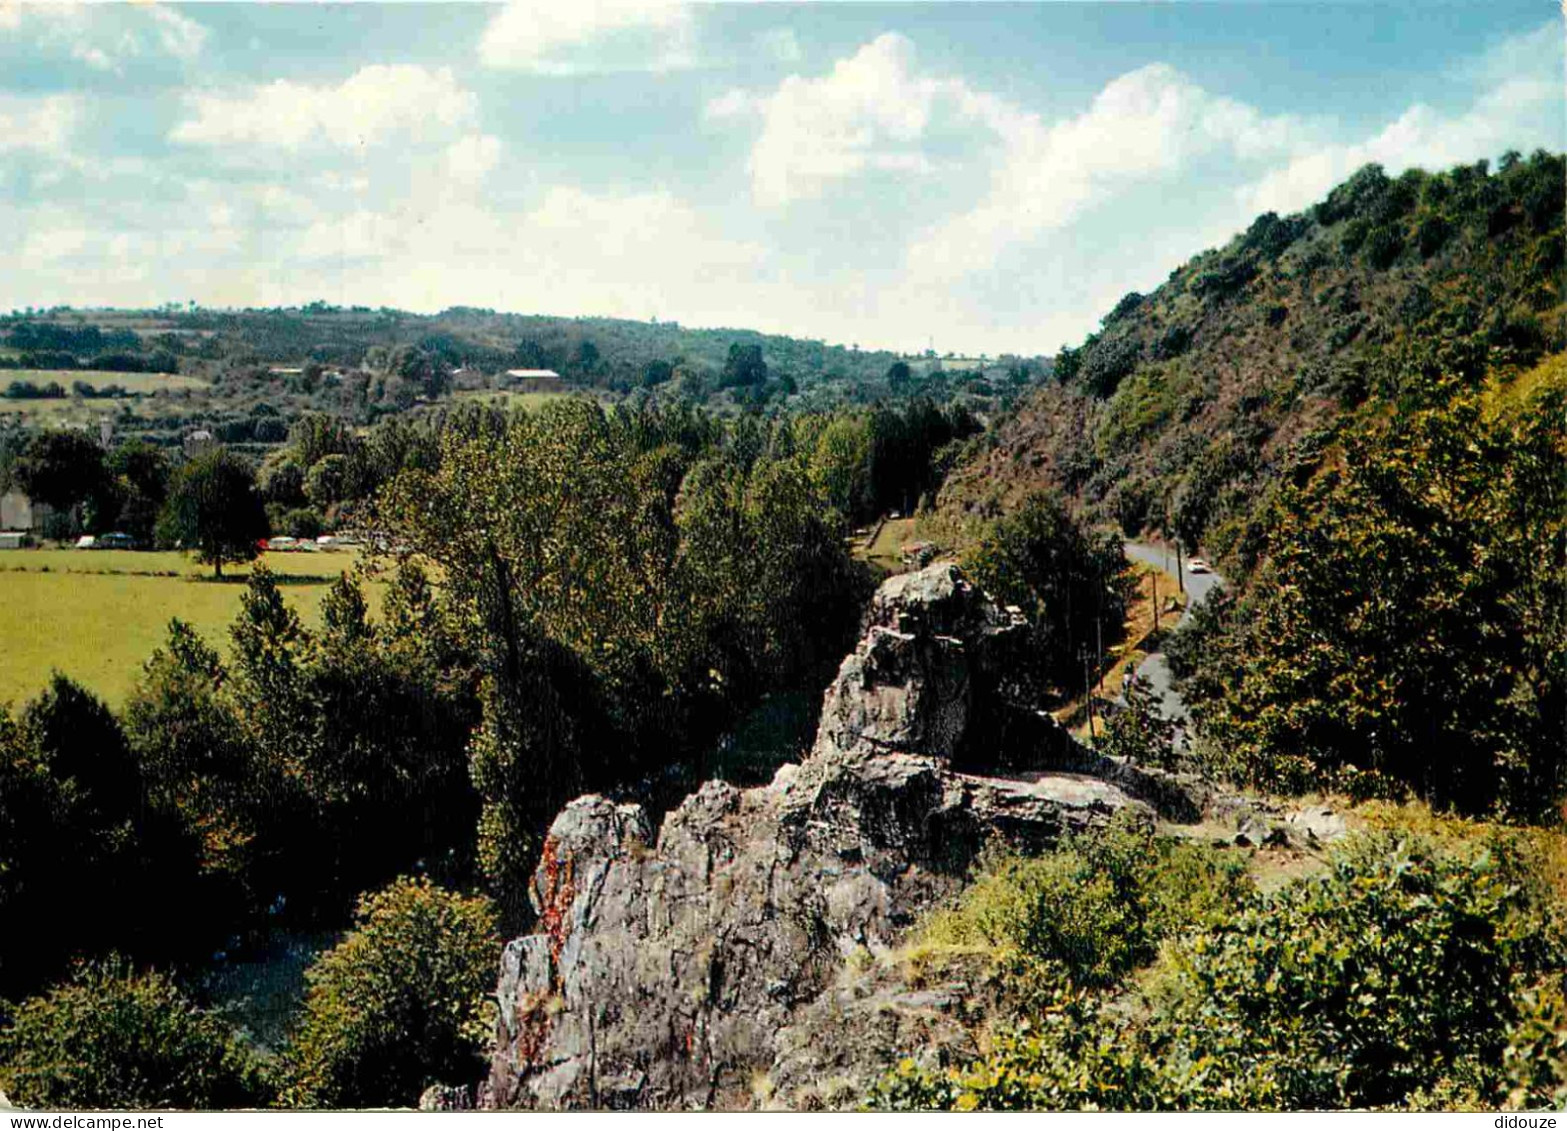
(1154, 577)
(1180, 568)
(1099, 652)
(1088, 689)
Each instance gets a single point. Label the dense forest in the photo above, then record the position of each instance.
(1359, 413)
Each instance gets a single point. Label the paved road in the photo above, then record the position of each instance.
(1155, 670)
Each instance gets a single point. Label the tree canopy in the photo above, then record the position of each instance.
(215, 509)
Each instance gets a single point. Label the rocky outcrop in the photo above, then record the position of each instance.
(671, 968)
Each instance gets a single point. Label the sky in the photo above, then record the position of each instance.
(969, 176)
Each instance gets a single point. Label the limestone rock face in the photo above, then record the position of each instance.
(673, 969)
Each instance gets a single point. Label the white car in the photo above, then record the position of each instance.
(1197, 565)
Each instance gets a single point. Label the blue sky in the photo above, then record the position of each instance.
(974, 176)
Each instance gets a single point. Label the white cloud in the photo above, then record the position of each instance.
(376, 105)
(1145, 125)
(550, 37)
(731, 104)
(42, 125)
(470, 158)
(781, 44)
(178, 34)
(875, 110)
(867, 113)
(569, 251)
(1513, 101)
(106, 36)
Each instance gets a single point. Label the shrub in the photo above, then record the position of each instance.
(1106, 362)
(1060, 572)
(1535, 1060)
(1172, 343)
(1095, 908)
(110, 1038)
(302, 522)
(1383, 246)
(1386, 981)
(1140, 733)
(1431, 234)
(398, 1005)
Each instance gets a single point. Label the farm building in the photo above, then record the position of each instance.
(18, 512)
(535, 381)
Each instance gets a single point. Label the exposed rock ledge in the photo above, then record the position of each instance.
(669, 967)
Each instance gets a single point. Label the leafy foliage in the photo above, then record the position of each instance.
(1407, 618)
(213, 507)
(399, 1004)
(627, 584)
(113, 1039)
(1201, 397)
(76, 813)
(317, 763)
(1070, 581)
(1139, 732)
(1094, 909)
(60, 469)
(1388, 981)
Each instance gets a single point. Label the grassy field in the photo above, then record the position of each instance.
(100, 378)
(97, 615)
(58, 411)
(886, 552)
(510, 398)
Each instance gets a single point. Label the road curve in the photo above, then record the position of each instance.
(1155, 670)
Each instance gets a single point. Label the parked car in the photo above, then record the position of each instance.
(118, 540)
(1197, 565)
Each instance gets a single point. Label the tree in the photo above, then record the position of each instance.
(327, 482)
(1404, 630)
(113, 1039)
(840, 467)
(282, 480)
(399, 1004)
(189, 742)
(214, 507)
(139, 473)
(898, 376)
(1139, 732)
(316, 434)
(744, 367)
(60, 468)
(75, 810)
(1071, 581)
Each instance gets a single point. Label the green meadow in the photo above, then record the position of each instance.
(97, 615)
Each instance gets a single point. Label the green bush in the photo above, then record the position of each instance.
(1353, 989)
(112, 1039)
(1140, 733)
(1535, 1060)
(1095, 908)
(399, 1004)
(1388, 981)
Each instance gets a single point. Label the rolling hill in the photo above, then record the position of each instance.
(1190, 403)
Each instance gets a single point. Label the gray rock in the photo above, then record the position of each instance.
(688, 969)
(446, 1097)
